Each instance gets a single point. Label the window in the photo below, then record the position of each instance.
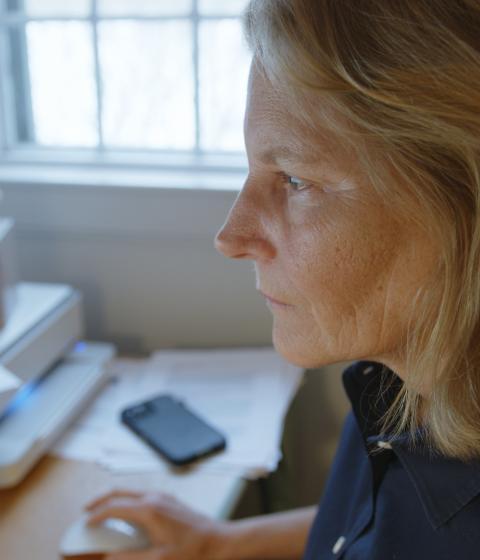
(136, 76)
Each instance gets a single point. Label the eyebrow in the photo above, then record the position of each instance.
(282, 153)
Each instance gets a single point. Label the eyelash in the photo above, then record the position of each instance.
(287, 179)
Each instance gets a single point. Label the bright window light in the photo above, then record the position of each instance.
(166, 76)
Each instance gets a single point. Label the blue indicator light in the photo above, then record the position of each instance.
(20, 397)
(80, 346)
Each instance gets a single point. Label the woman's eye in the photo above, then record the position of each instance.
(295, 183)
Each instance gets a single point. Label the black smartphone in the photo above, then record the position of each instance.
(170, 428)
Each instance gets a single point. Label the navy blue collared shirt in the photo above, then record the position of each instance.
(399, 502)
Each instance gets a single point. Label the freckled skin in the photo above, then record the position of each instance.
(347, 268)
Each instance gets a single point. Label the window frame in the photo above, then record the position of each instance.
(28, 155)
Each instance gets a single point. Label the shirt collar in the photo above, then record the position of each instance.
(443, 484)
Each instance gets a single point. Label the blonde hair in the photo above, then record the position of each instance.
(404, 78)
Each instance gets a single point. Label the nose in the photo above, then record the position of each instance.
(243, 236)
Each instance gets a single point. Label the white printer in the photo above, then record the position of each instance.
(47, 373)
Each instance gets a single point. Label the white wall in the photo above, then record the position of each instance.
(144, 261)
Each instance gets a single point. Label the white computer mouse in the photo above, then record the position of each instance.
(110, 536)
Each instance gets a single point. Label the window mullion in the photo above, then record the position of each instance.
(20, 74)
(3, 83)
(98, 75)
(196, 73)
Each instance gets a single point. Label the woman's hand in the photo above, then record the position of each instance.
(175, 531)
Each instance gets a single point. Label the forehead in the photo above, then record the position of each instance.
(275, 127)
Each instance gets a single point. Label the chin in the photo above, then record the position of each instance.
(302, 359)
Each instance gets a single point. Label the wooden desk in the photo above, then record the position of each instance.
(35, 514)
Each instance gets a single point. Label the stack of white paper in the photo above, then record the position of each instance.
(243, 393)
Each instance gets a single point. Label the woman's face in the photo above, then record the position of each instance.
(342, 267)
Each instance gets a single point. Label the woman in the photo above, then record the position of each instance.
(361, 214)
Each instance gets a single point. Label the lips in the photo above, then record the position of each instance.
(273, 300)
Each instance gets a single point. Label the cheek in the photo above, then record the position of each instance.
(340, 283)
(351, 276)
(342, 257)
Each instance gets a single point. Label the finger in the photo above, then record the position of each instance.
(150, 554)
(109, 496)
(118, 509)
